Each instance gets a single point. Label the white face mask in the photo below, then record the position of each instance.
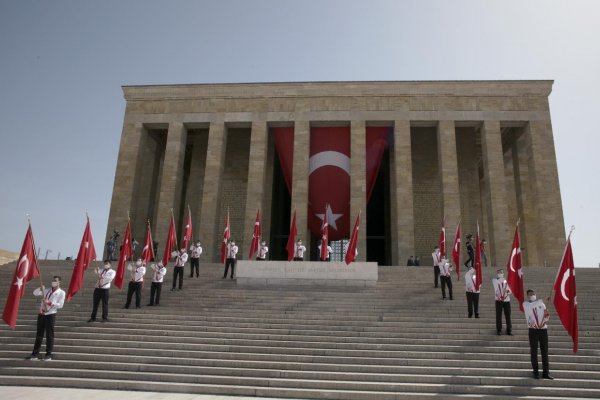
(533, 297)
(106, 266)
(54, 284)
(500, 276)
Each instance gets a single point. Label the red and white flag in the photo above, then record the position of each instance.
(126, 254)
(87, 253)
(171, 242)
(291, 243)
(27, 269)
(187, 233)
(456, 251)
(478, 271)
(514, 269)
(565, 295)
(226, 236)
(351, 252)
(442, 239)
(324, 236)
(255, 236)
(148, 250)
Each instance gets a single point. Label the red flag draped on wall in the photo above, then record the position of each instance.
(27, 269)
(324, 236)
(171, 242)
(515, 271)
(86, 254)
(442, 239)
(565, 295)
(255, 236)
(126, 253)
(353, 244)
(292, 238)
(187, 233)
(148, 250)
(226, 236)
(478, 271)
(456, 251)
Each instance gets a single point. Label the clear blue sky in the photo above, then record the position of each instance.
(62, 64)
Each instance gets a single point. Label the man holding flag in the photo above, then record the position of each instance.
(52, 300)
(105, 276)
(537, 316)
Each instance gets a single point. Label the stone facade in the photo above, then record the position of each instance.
(478, 151)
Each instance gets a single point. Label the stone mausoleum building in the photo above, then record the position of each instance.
(404, 153)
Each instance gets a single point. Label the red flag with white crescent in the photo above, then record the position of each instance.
(27, 269)
(290, 246)
(514, 269)
(226, 236)
(565, 295)
(171, 242)
(324, 236)
(148, 250)
(351, 252)
(256, 233)
(478, 271)
(87, 253)
(456, 251)
(126, 254)
(442, 239)
(187, 233)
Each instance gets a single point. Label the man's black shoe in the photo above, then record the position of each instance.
(498, 333)
(150, 304)
(92, 320)
(104, 320)
(536, 375)
(509, 333)
(548, 376)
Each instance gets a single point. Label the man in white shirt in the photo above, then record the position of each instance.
(52, 300)
(195, 252)
(181, 258)
(446, 278)
(135, 284)
(537, 316)
(105, 276)
(299, 250)
(502, 294)
(437, 260)
(232, 251)
(157, 281)
(472, 292)
(261, 253)
(329, 251)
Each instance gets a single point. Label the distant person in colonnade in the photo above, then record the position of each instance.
(261, 253)
(299, 250)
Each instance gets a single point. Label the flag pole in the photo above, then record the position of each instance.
(190, 214)
(33, 244)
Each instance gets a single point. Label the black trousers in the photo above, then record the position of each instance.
(100, 294)
(45, 324)
(539, 336)
(473, 304)
(446, 281)
(436, 275)
(178, 271)
(195, 265)
(228, 262)
(134, 287)
(155, 289)
(503, 306)
(470, 260)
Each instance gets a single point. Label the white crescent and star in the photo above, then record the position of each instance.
(565, 277)
(331, 217)
(23, 265)
(335, 159)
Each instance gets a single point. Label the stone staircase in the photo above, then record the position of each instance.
(397, 340)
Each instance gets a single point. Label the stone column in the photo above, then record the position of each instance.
(500, 239)
(210, 234)
(300, 179)
(171, 182)
(125, 178)
(358, 184)
(195, 185)
(255, 190)
(448, 166)
(402, 210)
(546, 192)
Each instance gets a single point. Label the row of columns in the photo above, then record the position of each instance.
(538, 199)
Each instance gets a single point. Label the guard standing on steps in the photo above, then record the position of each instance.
(136, 283)
(53, 299)
(502, 293)
(105, 276)
(537, 316)
(299, 250)
(472, 293)
(196, 251)
(261, 254)
(446, 278)
(437, 259)
(180, 260)
(232, 251)
(329, 251)
(157, 281)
